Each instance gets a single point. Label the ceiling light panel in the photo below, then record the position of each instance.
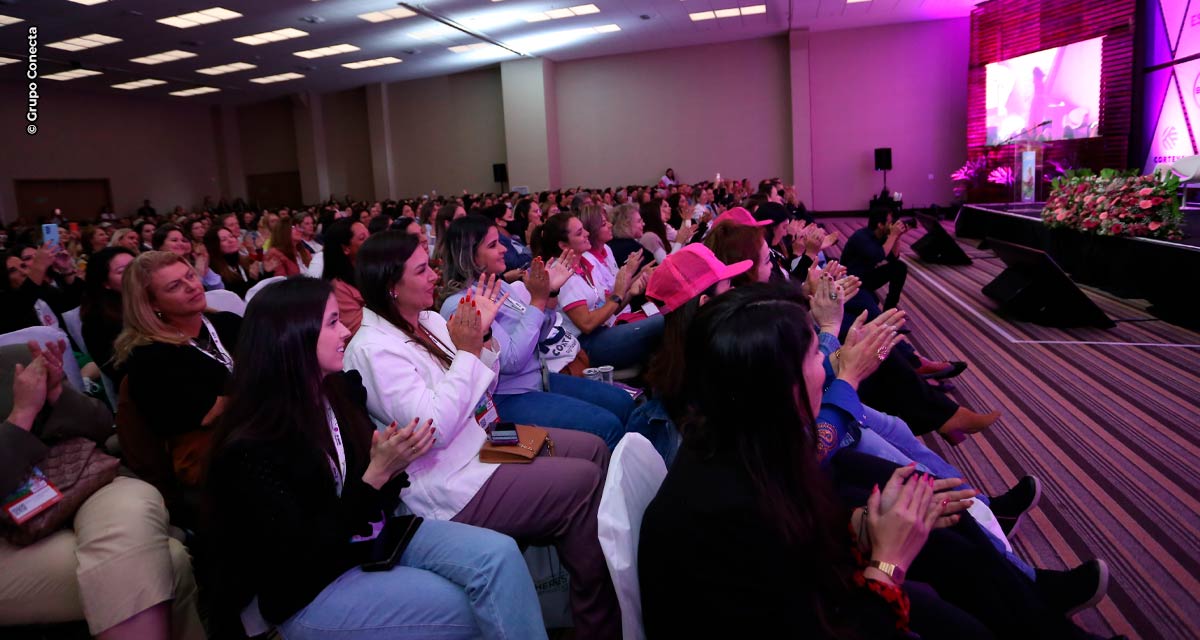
(226, 68)
(7, 20)
(327, 51)
(277, 78)
(558, 14)
(89, 41)
(166, 56)
(72, 74)
(88, 2)
(271, 36)
(197, 18)
(195, 92)
(377, 62)
(464, 48)
(732, 12)
(390, 14)
(138, 84)
(4, 61)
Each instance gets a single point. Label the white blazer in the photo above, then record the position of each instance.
(404, 381)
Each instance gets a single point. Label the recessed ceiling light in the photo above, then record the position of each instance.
(88, 2)
(558, 14)
(7, 20)
(4, 61)
(728, 13)
(72, 74)
(138, 84)
(327, 51)
(166, 56)
(390, 14)
(197, 18)
(277, 78)
(463, 48)
(608, 28)
(377, 62)
(271, 36)
(195, 92)
(226, 68)
(84, 42)
(856, 1)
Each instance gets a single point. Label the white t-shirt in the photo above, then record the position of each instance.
(604, 271)
(578, 291)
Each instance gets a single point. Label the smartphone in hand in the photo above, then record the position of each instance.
(50, 235)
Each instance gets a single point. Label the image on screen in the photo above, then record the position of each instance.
(1055, 92)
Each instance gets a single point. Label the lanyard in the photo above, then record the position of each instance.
(339, 470)
(221, 356)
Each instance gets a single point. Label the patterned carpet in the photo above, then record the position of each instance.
(1109, 420)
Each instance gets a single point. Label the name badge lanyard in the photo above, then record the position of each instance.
(222, 356)
(335, 432)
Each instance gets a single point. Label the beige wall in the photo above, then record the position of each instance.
(348, 144)
(268, 135)
(152, 149)
(625, 119)
(447, 132)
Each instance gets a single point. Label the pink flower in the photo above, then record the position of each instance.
(1088, 199)
(1090, 224)
(1145, 192)
(1115, 229)
(1062, 215)
(1100, 200)
(1155, 225)
(1104, 216)
(1146, 204)
(1157, 200)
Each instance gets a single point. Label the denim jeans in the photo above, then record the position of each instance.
(572, 403)
(453, 581)
(624, 345)
(651, 420)
(888, 437)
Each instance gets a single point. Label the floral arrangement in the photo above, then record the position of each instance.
(1115, 204)
(969, 171)
(1002, 175)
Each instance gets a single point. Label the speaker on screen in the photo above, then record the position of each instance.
(1034, 288)
(883, 159)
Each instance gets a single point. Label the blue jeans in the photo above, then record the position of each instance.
(453, 581)
(572, 403)
(888, 437)
(624, 345)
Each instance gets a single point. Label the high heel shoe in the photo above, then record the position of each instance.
(965, 422)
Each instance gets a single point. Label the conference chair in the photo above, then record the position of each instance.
(222, 300)
(635, 473)
(260, 286)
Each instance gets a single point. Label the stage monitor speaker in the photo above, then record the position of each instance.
(937, 246)
(1034, 288)
(883, 159)
(500, 172)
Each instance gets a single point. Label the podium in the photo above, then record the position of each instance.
(1027, 158)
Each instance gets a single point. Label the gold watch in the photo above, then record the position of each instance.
(895, 572)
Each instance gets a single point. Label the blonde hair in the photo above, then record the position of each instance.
(142, 325)
(622, 219)
(115, 240)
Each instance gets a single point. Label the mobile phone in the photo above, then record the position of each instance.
(504, 433)
(50, 234)
(390, 544)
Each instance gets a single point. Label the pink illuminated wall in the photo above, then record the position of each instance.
(901, 86)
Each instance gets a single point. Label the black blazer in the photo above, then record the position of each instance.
(280, 531)
(711, 566)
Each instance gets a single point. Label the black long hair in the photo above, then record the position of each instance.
(99, 303)
(277, 386)
(338, 265)
(378, 267)
(546, 237)
(651, 213)
(745, 379)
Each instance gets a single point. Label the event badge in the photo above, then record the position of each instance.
(34, 496)
(486, 414)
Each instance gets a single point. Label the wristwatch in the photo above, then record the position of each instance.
(615, 298)
(893, 571)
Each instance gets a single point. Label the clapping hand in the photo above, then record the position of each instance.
(826, 304)
(485, 295)
(865, 348)
(562, 268)
(393, 449)
(52, 357)
(901, 516)
(29, 393)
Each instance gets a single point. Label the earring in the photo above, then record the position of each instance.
(393, 295)
(158, 314)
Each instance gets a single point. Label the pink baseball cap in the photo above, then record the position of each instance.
(687, 273)
(739, 215)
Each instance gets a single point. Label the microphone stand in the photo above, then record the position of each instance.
(1014, 137)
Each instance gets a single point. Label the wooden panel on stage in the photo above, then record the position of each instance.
(1003, 29)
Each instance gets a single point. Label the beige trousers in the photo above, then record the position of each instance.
(116, 562)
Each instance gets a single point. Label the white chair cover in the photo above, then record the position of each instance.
(222, 300)
(260, 286)
(635, 473)
(74, 324)
(44, 335)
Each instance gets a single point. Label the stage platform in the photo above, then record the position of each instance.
(1164, 273)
